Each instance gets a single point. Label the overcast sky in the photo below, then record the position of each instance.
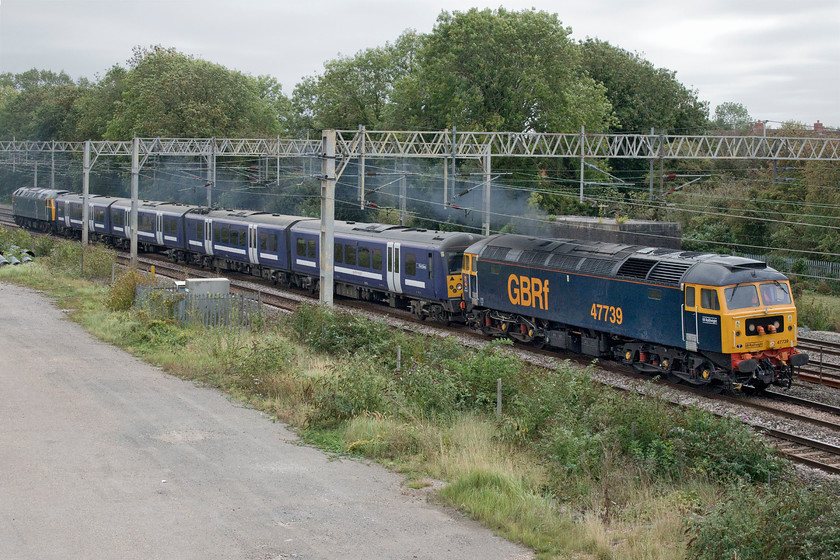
(779, 58)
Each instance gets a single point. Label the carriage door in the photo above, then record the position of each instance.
(208, 236)
(689, 318)
(252, 244)
(159, 228)
(127, 222)
(91, 220)
(393, 274)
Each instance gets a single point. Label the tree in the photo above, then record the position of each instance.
(35, 104)
(732, 116)
(642, 96)
(166, 93)
(498, 70)
(95, 107)
(354, 90)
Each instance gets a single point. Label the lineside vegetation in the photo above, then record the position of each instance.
(571, 469)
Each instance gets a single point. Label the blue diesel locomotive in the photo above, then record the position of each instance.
(706, 319)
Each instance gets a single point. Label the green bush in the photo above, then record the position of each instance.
(92, 263)
(815, 315)
(579, 426)
(338, 332)
(121, 294)
(355, 389)
(783, 521)
(476, 375)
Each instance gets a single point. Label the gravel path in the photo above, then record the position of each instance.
(106, 457)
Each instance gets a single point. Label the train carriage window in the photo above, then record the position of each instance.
(310, 249)
(243, 238)
(99, 215)
(170, 225)
(263, 241)
(690, 296)
(199, 231)
(76, 212)
(430, 261)
(350, 255)
(118, 218)
(226, 234)
(338, 254)
(272, 242)
(146, 222)
(217, 234)
(411, 264)
(364, 257)
(709, 299)
(377, 259)
(300, 248)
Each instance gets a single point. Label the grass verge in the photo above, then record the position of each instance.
(572, 469)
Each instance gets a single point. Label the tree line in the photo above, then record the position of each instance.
(478, 70)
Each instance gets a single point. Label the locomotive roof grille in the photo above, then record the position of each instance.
(495, 253)
(668, 272)
(636, 268)
(596, 266)
(564, 262)
(533, 257)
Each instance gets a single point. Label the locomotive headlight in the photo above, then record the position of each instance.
(737, 333)
(459, 286)
(777, 325)
(752, 328)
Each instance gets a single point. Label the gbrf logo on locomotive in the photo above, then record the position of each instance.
(528, 291)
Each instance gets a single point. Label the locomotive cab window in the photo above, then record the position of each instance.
(709, 299)
(741, 297)
(690, 295)
(775, 294)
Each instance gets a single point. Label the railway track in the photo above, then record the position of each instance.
(805, 451)
(6, 217)
(823, 368)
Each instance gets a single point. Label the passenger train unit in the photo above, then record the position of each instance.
(725, 322)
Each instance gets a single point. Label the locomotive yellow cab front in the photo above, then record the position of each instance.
(760, 322)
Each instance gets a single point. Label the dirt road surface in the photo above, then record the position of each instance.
(104, 457)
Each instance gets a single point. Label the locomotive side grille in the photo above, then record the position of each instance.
(564, 262)
(596, 266)
(635, 268)
(668, 272)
